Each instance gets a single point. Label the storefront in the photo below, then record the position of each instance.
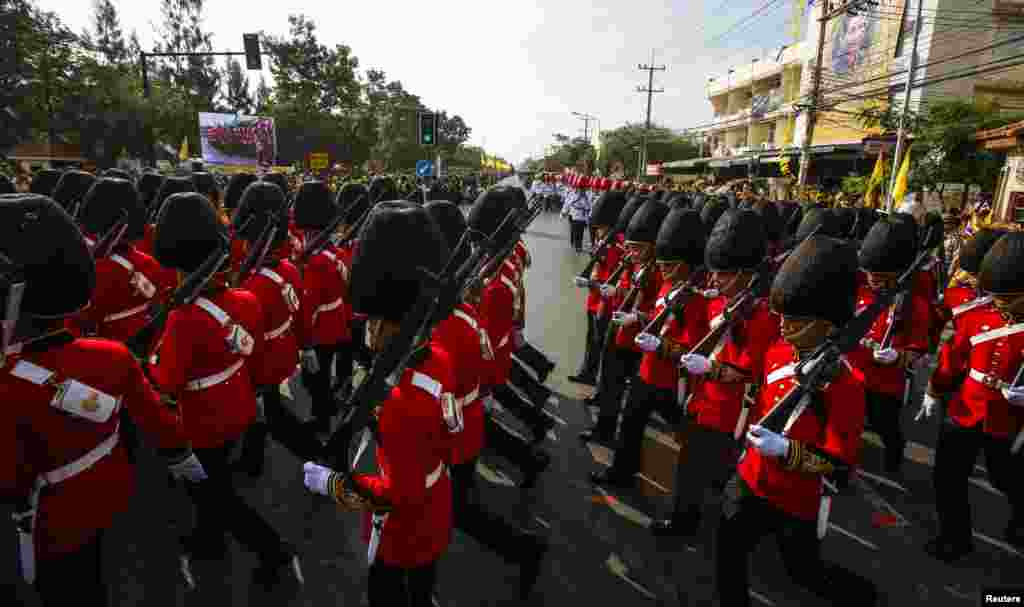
(1008, 201)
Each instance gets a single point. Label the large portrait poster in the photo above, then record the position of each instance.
(852, 38)
(235, 139)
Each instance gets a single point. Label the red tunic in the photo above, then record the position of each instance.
(42, 438)
(194, 346)
(913, 336)
(413, 449)
(323, 318)
(497, 312)
(460, 335)
(798, 493)
(277, 287)
(644, 301)
(655, 369)
(602, 270)
(149, 237)
(1000, 358)
(119, 303)
(717, 404)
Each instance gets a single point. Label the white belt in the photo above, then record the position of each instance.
(468, 399)
(974, 303)
(435, 476)
(870, 344)
(212, 380)
(125, 314)
(1007, 331)
(25, 520)
(989, 381)
(334, 305)
(278, 332)
(504, 340)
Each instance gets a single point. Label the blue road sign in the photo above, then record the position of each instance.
(424, 168)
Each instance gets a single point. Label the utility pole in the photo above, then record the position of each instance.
(650, 90)
(812, 111)
(902, 133)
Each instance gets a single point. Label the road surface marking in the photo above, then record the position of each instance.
(762, 598)
(882, 480)
(997, 543)
(984, 484)
(852, 536)
(619, 570)
(542, 522)
(624, 510)
(878, 502)
(495, 477)
(653, 483)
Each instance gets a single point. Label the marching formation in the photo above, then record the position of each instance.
(155, 314)
(159, 314)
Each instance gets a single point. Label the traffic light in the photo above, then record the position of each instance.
(428, 128)
(253, 61)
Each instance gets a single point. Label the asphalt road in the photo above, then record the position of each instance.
(600, 553)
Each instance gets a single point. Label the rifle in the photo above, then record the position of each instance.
(674, 300)
(111, 239)
(259, 250)
(1018, 381)
(616, 274)
(817, 370)
(598, 252)
(325, 235)
(499, 246)
(641, 279)
(185, 294)
(736, 311)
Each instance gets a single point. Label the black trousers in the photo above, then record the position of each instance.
(508, 445)
(284, 425)
(954, 460)
(220, 509)
(533, 358)
(883, 416)
(709, 463)
(576, 234)
(643, 400)
(597, 327)
(319, 384)
(537, 392)
(746, 519)
(530, 413)
(490, 530)
(360, 352)
(617, 365)
(391, 586)
(76, 577)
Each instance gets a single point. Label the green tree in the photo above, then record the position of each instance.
(663, 145)
(109, 39)
(263, 97)
(236, 95)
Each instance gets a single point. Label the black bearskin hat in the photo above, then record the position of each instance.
(349, 193)
(205, 184)
(385, 284)
(40, 237)
(890, 246)
(106, 202)
(713, 209)
(643, 227)
(866, 219)
(974, 250)
(791, 214)
(698, 202)
(846, 219)
(1000, 270)
(171, 186)
(821, 219)
(681, 237)
(149, 184)
(278, 179)
(452, 223)
(737, 242)
(188, 230)
(314, 208)
(626, 214)
(819, 280)
(770, 219)
(490, 209)
(118, 174)
(237, 185)
(931, 230)
(381, 188)
(260, 201)
(607, 209)
(72, 188)
(679, 200)
(44, 181)
(6, 187)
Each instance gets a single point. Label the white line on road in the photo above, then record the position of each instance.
(619, 570)
(543, 523)
(852, 536)
(762, 598)
(882, 480)
(625, 510)
(878, 502)
(653, 483)
(997, 543)
(984, 484)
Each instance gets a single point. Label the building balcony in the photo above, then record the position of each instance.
(745, 75)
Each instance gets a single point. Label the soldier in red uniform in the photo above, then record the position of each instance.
(463, 337)
(203, 360)
(779, 482)
(323, 329)
(887, 251)
(276, 284)
(66, 470)
(409, 516)
(603, 217)
(726, 382)
(622, 360)
(981, 367)
(679, 249)
(964, 296)
(169, 187)
(355, 349)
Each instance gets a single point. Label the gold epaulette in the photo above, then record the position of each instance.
(802, 459)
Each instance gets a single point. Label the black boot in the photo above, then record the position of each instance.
(947, 550)
(254, 444)
(610, 477)
(280, 572)
(532, 555)
(683, 524)
(540, 462)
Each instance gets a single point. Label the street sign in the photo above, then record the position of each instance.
(318, 160)
(253, 61)
(424, 168)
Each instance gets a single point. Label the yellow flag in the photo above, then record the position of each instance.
(183, 152)
(871, 194)
(900, 190)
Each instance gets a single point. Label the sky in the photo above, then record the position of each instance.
(515, 72)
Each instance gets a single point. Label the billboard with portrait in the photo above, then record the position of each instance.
(853, 35)
(236, 139)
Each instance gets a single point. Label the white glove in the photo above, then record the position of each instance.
(608, 291)
(310, 363)
(711, 293)
(717, 321)
(315, 477)
(624, 318)
(581, 282)
(189, 468)
(886, 357)
(1015, 396)
(695, 364)
(927, 407)
(647, 342)
(767, 442)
